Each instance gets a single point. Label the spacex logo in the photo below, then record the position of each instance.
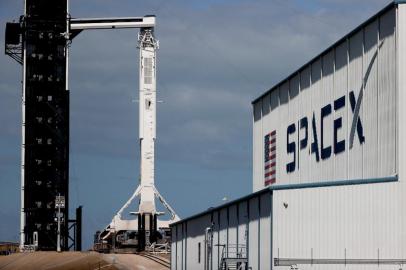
(318, 146)
(302, 136)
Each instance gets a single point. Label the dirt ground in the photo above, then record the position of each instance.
(132, 262)
(76, 261)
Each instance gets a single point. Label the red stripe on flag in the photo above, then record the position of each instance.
(269, 182)
(270, 165)
(270, 173)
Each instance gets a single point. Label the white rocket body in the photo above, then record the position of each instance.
(146, 191)
(147, 121)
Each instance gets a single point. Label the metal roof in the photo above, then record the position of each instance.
(389, 6)
(270, 189)
(212, 209)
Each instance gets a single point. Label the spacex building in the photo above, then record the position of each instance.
(329, 166)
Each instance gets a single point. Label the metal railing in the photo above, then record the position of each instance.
(28, 248)
(234, 257)
(297, 261)
(159, 248)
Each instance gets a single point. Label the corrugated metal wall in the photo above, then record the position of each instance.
(246, 223)
(401, 84)
(338, 113)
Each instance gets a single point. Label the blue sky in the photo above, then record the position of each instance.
(215, 58)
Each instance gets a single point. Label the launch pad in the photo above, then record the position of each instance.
(143, 229)
(40, 42)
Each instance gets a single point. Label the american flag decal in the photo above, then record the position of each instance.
(270, 158)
